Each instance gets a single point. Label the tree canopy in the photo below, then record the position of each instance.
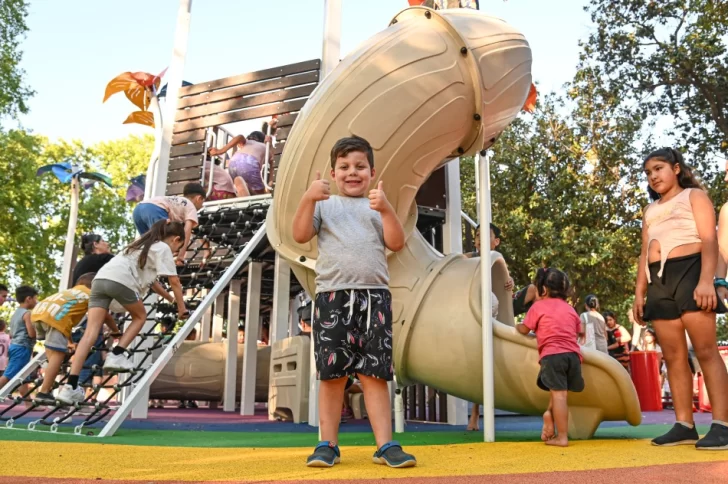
(13, 91)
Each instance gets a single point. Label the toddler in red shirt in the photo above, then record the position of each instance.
(557, 327)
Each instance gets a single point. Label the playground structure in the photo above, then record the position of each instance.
(450, 83)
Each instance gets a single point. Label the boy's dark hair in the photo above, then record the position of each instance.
(609, 314)
(555, 280)
(496, 230)
(86, 279)
(592, 302)
(192, 189)
(157, 233)
(258, 136)
(686, 178)
(3, 325)
(3, 287)
(24, 292)
(88, 241)
(347, 145)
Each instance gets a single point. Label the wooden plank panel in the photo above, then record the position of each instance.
(278, 149)
(236, 116)
(310, 65)
(185, 162)
(283, 133)
(175, 188)
(184, 138)
(249, 89)
(287, 120)
(188, 149)
(189, 174)
(245, 102)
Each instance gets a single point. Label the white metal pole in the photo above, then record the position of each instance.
(231, 353)
(70, 236)
(476, 160)
(332, 36)
(281, 300)
(252, 329)
(174, 82)
(218, 318)
(487, 322)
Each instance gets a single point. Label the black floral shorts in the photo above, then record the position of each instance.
(352, 331)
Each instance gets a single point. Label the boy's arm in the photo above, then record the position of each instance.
(237, 140)
(111, 324)
(29, 325)
(303, 229)
(189, 225)
(522, 328)
(391, 226)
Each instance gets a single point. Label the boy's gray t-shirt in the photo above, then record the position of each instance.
(351, 250)
(18, 332)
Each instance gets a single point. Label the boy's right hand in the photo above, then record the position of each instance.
(319, 189)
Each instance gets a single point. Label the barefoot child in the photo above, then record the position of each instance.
(678, 263)
(54, 318)
(352, 321)
(557, 328)
(126, 279)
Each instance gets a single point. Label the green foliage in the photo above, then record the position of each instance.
(35, 214)
(669, 58)
(13, 92)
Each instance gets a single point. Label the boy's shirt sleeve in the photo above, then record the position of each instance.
(190, 212)
(317, 217)
(532, 317)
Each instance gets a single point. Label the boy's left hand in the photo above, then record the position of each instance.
(378, 200)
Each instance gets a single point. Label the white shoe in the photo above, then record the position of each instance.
(118, 363)
(69, 396)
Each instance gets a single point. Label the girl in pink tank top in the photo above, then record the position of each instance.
(676, 275)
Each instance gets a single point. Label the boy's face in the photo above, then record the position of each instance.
(31, 302)
(3, 297)
(352, 174)
(494, 241)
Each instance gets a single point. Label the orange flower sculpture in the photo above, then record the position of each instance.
(137, 86)
(530, 104)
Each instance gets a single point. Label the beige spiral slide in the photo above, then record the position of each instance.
(431, 87)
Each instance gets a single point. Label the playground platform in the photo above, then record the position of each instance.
(205, 445)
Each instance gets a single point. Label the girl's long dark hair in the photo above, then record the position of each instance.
(685, 178)
(157, 233)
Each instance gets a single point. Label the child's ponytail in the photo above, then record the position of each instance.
(686, 178)
(157, 233)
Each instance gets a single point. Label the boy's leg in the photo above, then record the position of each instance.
(376, 398)
(474, 423)
(560, 411)
(55, 360)
(94, 322)
(331, 397)
(548, 420)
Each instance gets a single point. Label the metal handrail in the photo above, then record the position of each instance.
(469, 220)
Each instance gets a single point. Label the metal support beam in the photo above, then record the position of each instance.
(204, 334)
(332, 37)
(252, 329)
(281, 300)
(486, 296)
(218, 319)
(231, 347)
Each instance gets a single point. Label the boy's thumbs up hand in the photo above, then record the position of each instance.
(378, 200)
(319, 189)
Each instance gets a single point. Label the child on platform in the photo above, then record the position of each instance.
(678, 263)
(557, 328)
(175, 209)
(53, 319)
(352, 321)
(126, 279)
(22, 335)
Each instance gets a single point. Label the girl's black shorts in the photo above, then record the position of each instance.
(352, 333)
(671, 295)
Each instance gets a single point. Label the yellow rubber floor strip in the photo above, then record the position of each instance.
(94, 461)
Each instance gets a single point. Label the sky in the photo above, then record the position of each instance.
(75, 47)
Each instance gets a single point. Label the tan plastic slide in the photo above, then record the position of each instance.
(431, 87)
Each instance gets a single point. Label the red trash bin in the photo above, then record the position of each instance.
(645, 366)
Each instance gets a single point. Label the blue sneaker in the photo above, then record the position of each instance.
(392, 454)
(326, 454)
